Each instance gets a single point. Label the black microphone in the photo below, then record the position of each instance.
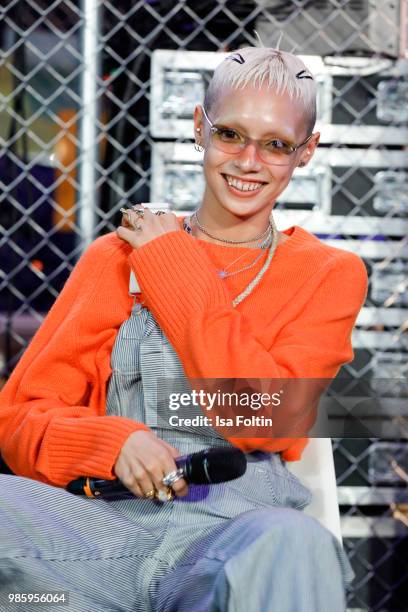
(210, 466)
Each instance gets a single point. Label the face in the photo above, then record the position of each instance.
(259, 115)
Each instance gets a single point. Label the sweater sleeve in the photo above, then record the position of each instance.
(214, 339)
(51, 424)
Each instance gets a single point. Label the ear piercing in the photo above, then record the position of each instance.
(199, 148)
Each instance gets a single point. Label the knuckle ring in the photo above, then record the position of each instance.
(172, 477)
(160, 212)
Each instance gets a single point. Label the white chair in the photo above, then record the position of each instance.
(316, 471)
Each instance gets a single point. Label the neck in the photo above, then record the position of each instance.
(226, 226)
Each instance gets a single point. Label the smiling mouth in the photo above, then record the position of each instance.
(244, 186)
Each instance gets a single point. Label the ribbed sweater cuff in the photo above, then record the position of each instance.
(294, 452)
(290, 448)
(177, 278)
(86, 446)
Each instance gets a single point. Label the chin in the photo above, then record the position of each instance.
(248, 207)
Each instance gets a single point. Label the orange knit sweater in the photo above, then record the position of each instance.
(296, 324)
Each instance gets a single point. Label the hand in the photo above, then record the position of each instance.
(143, 462)
(137, 229)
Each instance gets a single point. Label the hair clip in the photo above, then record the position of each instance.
(304, 75)
(236, 57)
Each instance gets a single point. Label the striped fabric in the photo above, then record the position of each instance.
(241, 546)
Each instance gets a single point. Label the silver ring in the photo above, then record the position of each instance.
(172, 477)
(126, 213)
(139, 211)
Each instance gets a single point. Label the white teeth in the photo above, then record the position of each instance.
(241, 185)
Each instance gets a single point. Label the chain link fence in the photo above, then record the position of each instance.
(96, 102)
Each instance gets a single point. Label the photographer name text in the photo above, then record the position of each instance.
(205, 421)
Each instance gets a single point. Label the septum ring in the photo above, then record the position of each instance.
(172, 477)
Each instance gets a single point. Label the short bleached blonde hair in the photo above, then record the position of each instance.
(263, 67)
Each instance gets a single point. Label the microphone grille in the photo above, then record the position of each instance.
(222, 464)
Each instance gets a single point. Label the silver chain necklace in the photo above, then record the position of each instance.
(265, 243)
(202, 229)
(274, 234)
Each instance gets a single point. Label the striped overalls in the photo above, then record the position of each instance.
(241, 546)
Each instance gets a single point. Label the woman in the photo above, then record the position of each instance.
(222, 294)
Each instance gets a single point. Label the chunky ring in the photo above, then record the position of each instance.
(150, 494)
(164, 496)
(172, 477)
(139, 211)
(126, 213)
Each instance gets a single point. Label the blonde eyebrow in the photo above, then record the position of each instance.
(240, 129)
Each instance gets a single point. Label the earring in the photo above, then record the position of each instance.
(302, 164)
(199, 148)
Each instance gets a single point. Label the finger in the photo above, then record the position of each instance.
(129, 235)
(126, 233)
(134, 218)
(155, 467)
(132, 485)
(147, 211)
(126, 222)
(150, 494)
(152, 219)
(138, 480)
(137, 491)
(172, 449)
(158, 481)
(180, 487)
(167, 466)
(170, 222)
(141, 212)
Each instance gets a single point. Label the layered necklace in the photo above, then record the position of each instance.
(268, 238)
